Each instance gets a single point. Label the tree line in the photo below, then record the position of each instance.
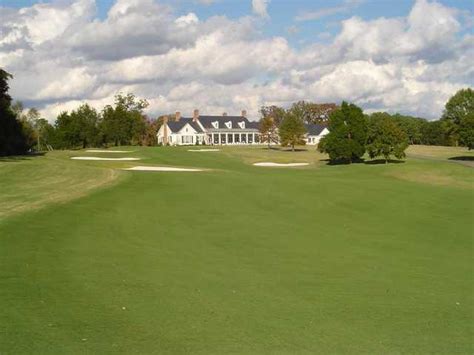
(353, 133)
(124, 123)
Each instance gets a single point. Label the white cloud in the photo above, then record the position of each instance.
(259, 7)
(409, 64)
(345, 6)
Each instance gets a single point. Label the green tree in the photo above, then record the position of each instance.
(68, 131)
(385, 137)
(275, 112)
(459, 107)
(466, 131)
(124, 122)
(12, 139)
(411, 126)
(347, 135)
(292, 130)
(268, 130)
(31, 122)
(271, 118)
(151, 128)
(311, 112)
(44, 131)
(85, 121)
(433, 133)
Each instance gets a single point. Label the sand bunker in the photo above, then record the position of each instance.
(161, 168)
(98, 158)
(279, 164)
(108, 151)
(203, 150)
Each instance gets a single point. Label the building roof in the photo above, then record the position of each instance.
(206, 122)
(314, 129)
(176, 126)
(253, 124)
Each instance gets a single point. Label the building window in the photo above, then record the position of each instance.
(237, 138)
(215, 124)
(223, 140)
(187, 139)
(244, 138)
(229, 138)
(250, 138)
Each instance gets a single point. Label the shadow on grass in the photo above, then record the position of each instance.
(361, 161)
(463, 158)
(19, 158)
(280, 149)
(270, 148)
(382, 161)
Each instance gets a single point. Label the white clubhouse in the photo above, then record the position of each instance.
(220, 130)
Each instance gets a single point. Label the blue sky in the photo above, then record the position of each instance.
(406, 56)
(282, 13)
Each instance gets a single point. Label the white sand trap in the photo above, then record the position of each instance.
(279, 164)
(108, 151)
(203, 150)
(161, 168)
(98, 158)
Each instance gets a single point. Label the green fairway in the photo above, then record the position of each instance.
(361, 258)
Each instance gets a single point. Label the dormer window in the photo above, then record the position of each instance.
(215, 124)
(242, 124)
(229, 124)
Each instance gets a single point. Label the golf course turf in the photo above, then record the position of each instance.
(361, 258)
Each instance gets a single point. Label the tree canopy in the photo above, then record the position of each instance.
(12, 137)
(347, 134)
(292, 130)
(124, 123)
(385, 138)
(458, 117)
(311, 112)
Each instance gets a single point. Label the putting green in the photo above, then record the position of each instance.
(363, 258)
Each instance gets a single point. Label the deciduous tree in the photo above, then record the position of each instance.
(12, 139)
(123, 123)
(292, 130)
(458, 108)
(385, 138)
(268, 130)
(347, 135)
(311, 112)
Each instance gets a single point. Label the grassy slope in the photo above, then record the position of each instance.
(245, 259)
(32, 182)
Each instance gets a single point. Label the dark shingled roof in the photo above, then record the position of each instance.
(253, 124)
(206, 121)
(176, 126)
(314, 129)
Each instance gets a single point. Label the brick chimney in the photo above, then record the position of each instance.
(224, 113)
(165, 130)
(195, 115)
(244, 113)
(177, 116)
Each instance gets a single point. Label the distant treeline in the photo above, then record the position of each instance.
(454, 128)
(124, 123)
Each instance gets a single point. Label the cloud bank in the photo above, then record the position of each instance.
(61, 54)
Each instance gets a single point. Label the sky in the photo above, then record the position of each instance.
(406, 56)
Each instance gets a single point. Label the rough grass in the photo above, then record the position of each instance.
(242, 259)
(32, 182)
